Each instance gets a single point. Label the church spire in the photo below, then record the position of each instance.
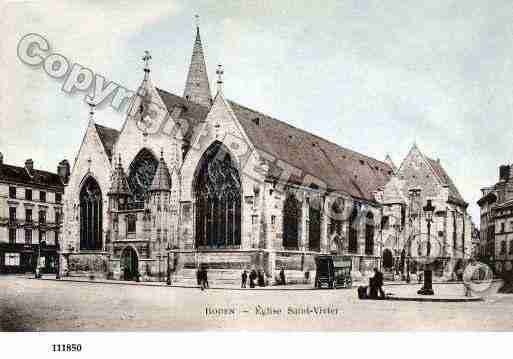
(197, 87)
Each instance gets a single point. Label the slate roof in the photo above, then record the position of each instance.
(340, 168)
(108, 136)
(440, 172)
(15, 174)
(192, 112)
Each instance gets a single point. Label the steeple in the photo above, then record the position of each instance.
(162, 179)
(119, 184)
(197, 87)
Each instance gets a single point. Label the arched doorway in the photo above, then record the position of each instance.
(129, 264)
(388, 259)
(218, 193)
(91, 215)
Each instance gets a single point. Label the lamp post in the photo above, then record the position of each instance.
(427, 288)
(168, 282)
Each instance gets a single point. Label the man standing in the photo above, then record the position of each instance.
(378, 282)
(244, 279)
(282, 276)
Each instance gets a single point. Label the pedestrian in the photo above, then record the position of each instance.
(205, 278)
(261, 279)
(252, 277)
(244, 279)
(378, 282)
(198, 276)
(282, 277)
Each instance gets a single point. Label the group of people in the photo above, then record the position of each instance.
(253, 276)
(376, 285)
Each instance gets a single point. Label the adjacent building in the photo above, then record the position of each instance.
(30, 216)
(418, 179)
(496, 230)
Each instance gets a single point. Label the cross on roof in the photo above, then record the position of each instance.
(146, 58)
(220, 73)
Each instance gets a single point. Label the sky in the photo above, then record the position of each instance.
(373, 76)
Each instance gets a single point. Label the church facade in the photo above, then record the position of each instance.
(196, 180)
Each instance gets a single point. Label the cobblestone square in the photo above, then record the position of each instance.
(46, 305)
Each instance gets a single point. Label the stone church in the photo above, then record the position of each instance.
(196, 180)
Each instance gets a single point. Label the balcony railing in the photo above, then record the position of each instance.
(130, 206)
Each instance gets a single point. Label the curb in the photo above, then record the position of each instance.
(139, 284)
(436, 300)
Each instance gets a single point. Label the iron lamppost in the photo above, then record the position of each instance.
(427, 288)
(168, 281)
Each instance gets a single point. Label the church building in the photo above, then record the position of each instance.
(199, 180)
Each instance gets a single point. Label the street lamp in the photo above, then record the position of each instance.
(427, 288)
(168, 282)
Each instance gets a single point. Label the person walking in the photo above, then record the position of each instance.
(378, 282)
(244, 279)
(252, 277)
(282, 277)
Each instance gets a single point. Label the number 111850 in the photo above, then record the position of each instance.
(66, 347)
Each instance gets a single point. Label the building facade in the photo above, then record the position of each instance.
(419, 179)
(202, 180)
(496, 231)
(30, 216)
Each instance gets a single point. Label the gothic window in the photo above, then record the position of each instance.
(218, 199)
(314, 229)
(131, 223)
(353, 231)
(369, 234)
(291, 218)
(141, 173)
(336, 217)
(90, 215)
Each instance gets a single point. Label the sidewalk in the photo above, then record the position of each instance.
(398, 291)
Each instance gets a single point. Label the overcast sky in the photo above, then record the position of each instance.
(373, 76)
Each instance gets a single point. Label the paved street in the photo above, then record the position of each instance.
(44, 305)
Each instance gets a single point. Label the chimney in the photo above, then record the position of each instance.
(1, 158)
(63, 170)
(504, 172)
(29, 166)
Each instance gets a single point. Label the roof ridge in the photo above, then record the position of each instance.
(311, 134)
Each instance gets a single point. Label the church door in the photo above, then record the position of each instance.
(129, 264)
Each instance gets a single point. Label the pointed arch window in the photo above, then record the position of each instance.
(291, 218)
(218, 199)
(141, 173)
(369, 234)
(91, 215)
(314, 228)
(353, 231)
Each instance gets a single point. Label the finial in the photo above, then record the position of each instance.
(197, 21)
(91, 109)
(220, 73)
(146, 58)
(161, 152)
(119, 159)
